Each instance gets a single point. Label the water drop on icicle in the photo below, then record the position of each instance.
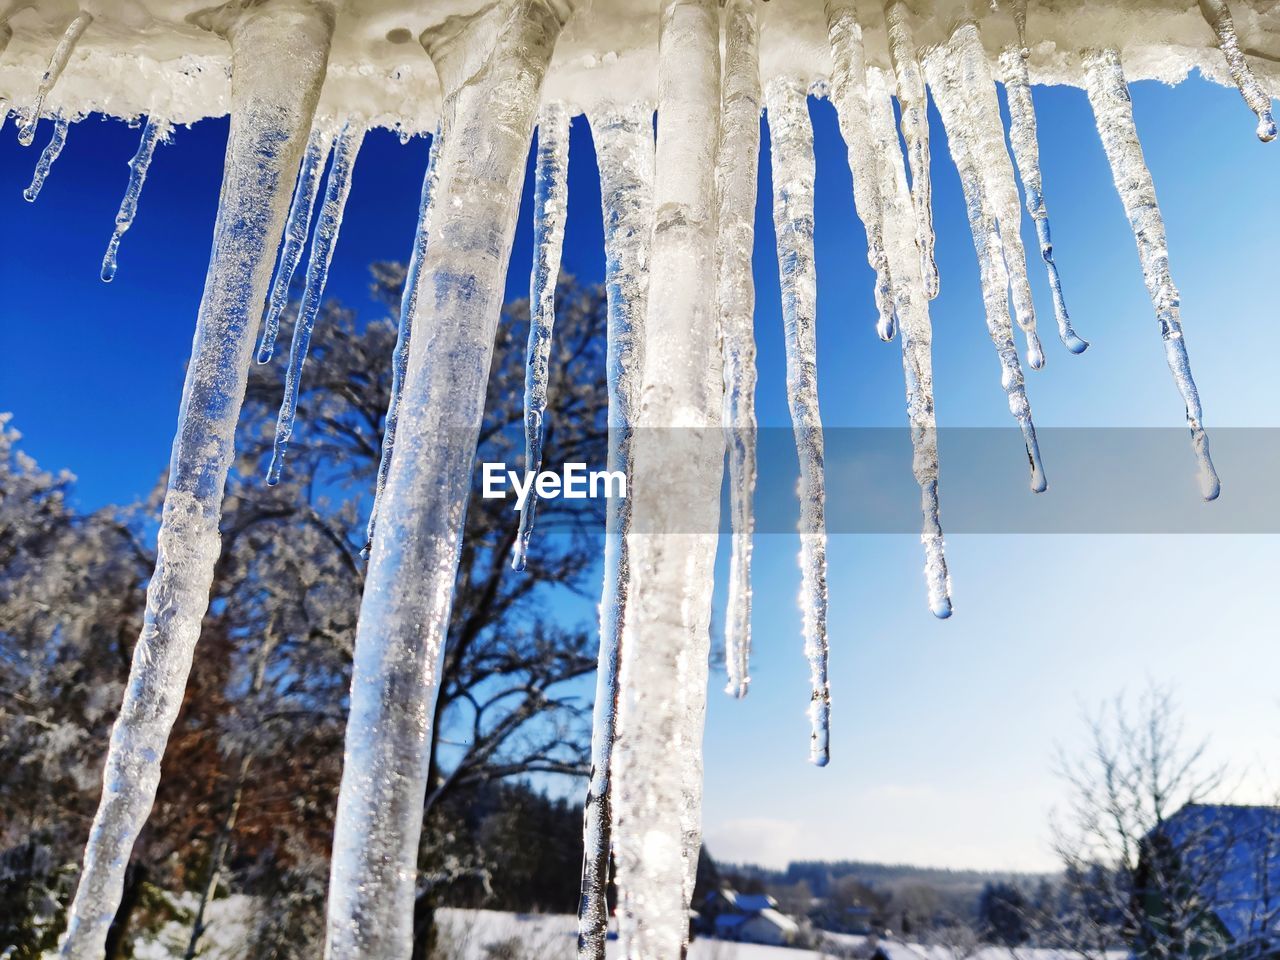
(152, 133)
(550, 204)
(1113, 113)
(345, 148)
(295, 238)
(791, 148)
(50, 154)
(1218, 15)
(57, 63)
(1026, 151)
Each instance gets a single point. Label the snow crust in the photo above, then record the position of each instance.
(163, 57)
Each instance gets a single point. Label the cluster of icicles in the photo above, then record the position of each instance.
(678, 237)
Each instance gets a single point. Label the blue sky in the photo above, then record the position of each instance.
(944, 733)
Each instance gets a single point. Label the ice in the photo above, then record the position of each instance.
(404, 613)
(295, 237)
(911, 300)
(1026, 151)
(849, 94)
(550, 207)
(52, 149)
(791, 148)
(279, 55)
(736, 168)
(914, 100)
(155, 131)
(57, 63)
(1219, 16)
(345, 147)
(1113, 113)
(675, 503)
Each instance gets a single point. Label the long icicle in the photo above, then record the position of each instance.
(1026, 151)
(279, 54)
(988, 241)
(404, 330)
(57, 63)
(624, 154)
(791, 148)
(154, 132)
(413, 565)
(849, 94)
(550, 207)
(50, 153)
(1218, 15)
(345, 148)
(914, 99)
(916, 333)
(737, 161)
(296, 228)
(675, 504)
(1113, 113)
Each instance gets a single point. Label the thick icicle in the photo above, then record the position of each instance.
(791, 149)
(849, 94)
(154, 132)
(1113, 113)
(624, 154)
(57, 63)
(914, 100)
(404, 614)
(295, 238)
(345, 148)
(911, 299)
(736, 167)
(550, 207)
(404, 331)
(1026, 151)
(675, 504)
(988, 241)
(1218, 14)
(279, 52)
(966, 96)
(50, 153)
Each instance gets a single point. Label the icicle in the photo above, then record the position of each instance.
(57, 63)
(51, 151)
(404, 332)
(971, 114)
(295, 238)
(992, 254)
(849, 94)
(1026, 151)
(624, 154)
(279, 54)
(916, 333)
(1018, 8)
(550, 205)
(345, 147)
(675, 490)
(914, 100)
(736, 167)
(404, 615)
(1218, 15)
(154, 132)
(1113, 113)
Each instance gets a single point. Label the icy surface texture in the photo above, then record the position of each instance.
(1259, 101)
(550, 208)
(737, 163)
(675, 488)
(625, 156)
(57, 63)
(50, 153)
(280, 52)
(1109, 96)
(404, 613)
(155, 131)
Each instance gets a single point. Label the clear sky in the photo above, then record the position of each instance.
(944, 733)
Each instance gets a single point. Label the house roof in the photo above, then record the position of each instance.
(774, 918)
(754, 902)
